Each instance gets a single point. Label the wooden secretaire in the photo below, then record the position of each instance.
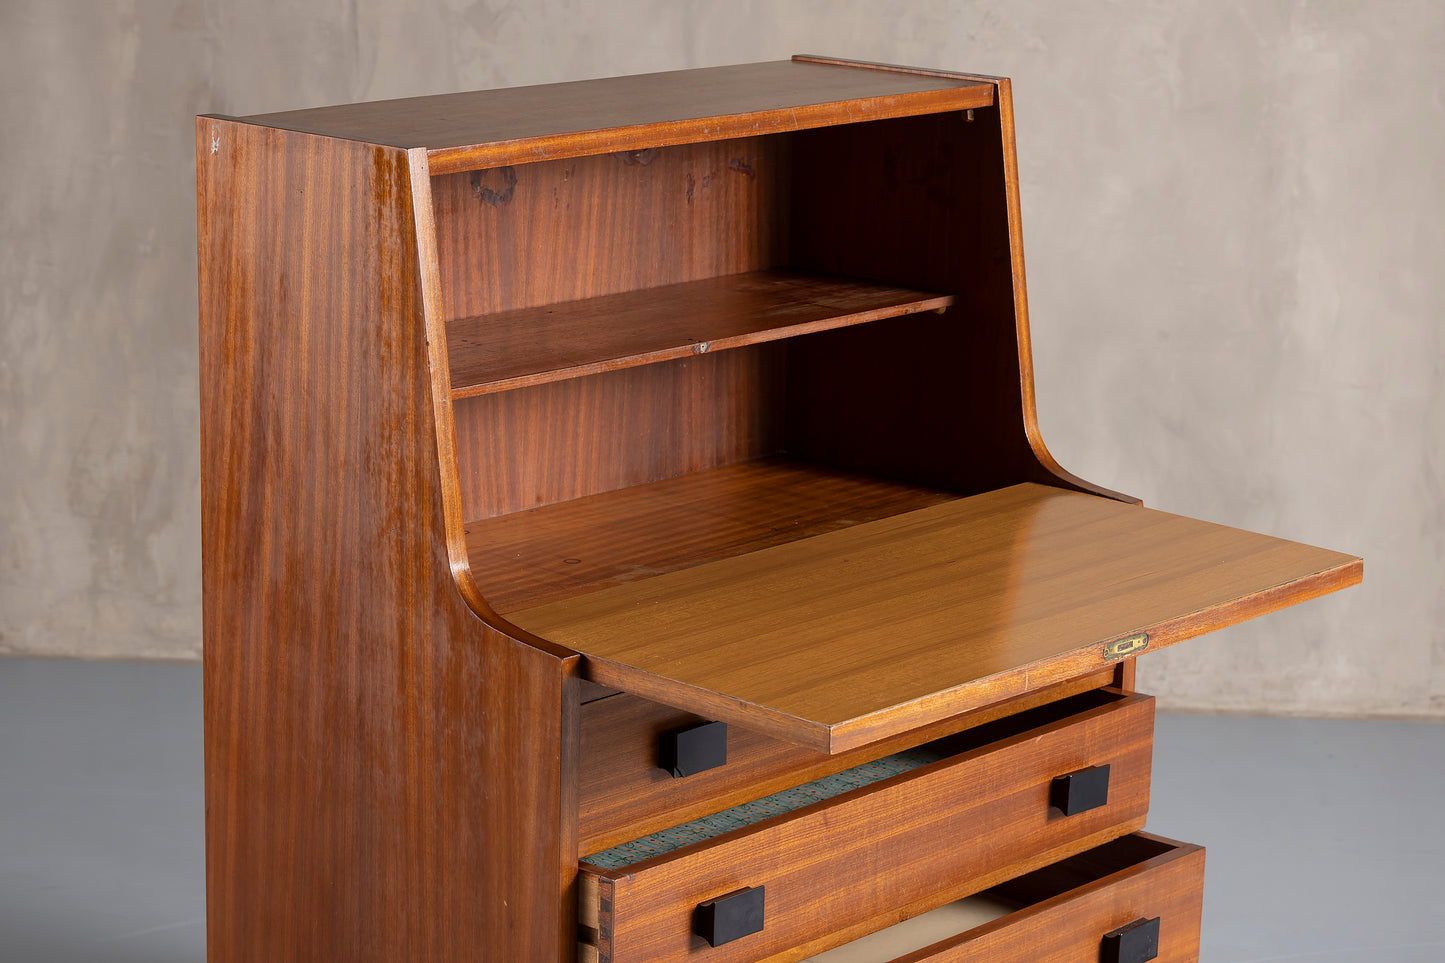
(627, 537)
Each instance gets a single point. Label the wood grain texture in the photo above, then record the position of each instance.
(927, 202)
(894, 68)
(527, 124)
(518, 237)
(1166, 881)
(537, 446)
(876, 855)
(855, 635)
(514, 349)
(917, 399)
(548, 554)
(593, 227)
(394, 770)
(623, 795)
(1124, 672)
(384, 772)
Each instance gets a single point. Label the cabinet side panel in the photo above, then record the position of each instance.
(386, 778)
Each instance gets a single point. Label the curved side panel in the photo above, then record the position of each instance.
(442, 408)
(387, 777)
(1050, 471)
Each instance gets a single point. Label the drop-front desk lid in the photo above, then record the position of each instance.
(849, 637)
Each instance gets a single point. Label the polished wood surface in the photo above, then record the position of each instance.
(384, 772)
(489, 128)
(589, 227)
(871, 857)
(995, 225)
(548, 554)
(623, 795)
(468, 471)
(926, 202)
(894, 68)
(522, 449)
(531, 346)
(851, 636)
(1079, 904)
(533, 235)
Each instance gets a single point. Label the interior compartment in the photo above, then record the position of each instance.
(624, 319)
(926, 929)
(945, 933)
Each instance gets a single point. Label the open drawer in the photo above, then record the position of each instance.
(961, 814)
(1136, 898)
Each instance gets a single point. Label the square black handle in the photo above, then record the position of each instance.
(1136, 943)
(686, 752)
(1080, 791)
(730, 917)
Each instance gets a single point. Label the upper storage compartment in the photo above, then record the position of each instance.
(835, 295)
(737, 364)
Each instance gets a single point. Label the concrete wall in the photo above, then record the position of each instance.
(1233, 213)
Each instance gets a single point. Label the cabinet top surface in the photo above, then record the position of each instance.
(848, 637)
(515, 125)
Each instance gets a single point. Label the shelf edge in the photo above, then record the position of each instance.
(678, 352)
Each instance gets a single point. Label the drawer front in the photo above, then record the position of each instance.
(870, 857)
(1148, 910)
(624, 793)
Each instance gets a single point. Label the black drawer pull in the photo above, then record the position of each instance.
(1078, 792)
(686, 752)
(730, 917)
(1136, 943)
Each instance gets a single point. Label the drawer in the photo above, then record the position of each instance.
(962, 814)
(1140, 895)
(625, 794)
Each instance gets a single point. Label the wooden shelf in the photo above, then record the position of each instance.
(848, 637)
(513, 349)
(561, 551)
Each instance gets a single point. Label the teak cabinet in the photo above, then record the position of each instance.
(626, 530)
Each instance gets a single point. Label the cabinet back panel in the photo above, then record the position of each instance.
(933, 400)
(534, 446)
(536, 234)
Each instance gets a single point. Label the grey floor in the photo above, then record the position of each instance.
(1326, 841)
